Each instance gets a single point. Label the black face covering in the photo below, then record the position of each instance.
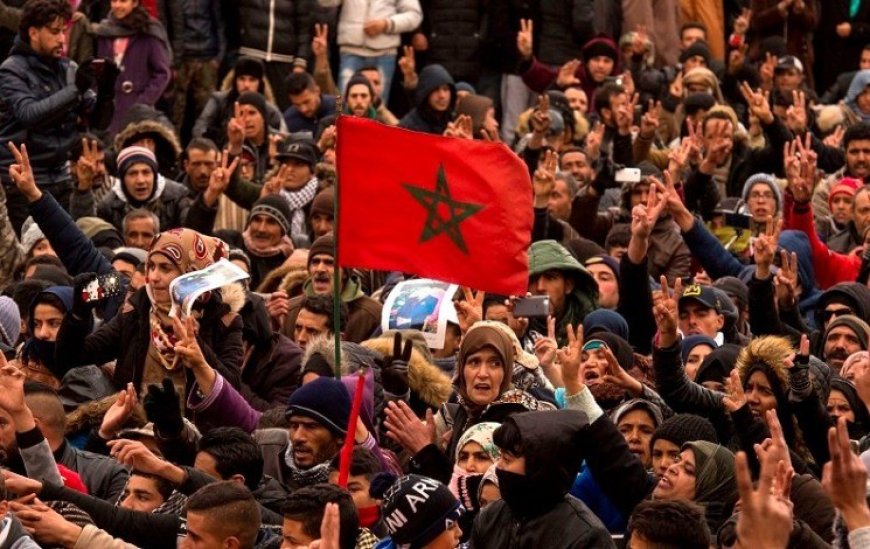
(525, 497)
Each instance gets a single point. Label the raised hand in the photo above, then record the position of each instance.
(765, 247)
(275, 183)
(614, 373)
(766, 517)
(741, 23)
(666, 313)
(649, 122)
(569, 358)
(132, 453)
(835, 138)
(525, 38)
(786, 280)
(767, 70)
(396, 366)
(736, 397)
(644, 217)
(12, 389)
(408, 66)
(676, 87)
(679, 157)
(236, 131)
(796, 115)
(118, 413)
(220, 178)
(469, 311)
(594, 139)
(163, 408)
(86, 165)
(638, 45)
(845, 478)
(188, 347)
(737, 59)
(545, 177)
(625, 115)
(567, 75)
(22, 173)
(545, 347)
(540, 120)
(758, 101)
(719, 146)
(320, 43)
(461, 128)
(404, 427)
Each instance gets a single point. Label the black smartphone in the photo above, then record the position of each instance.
(534, 306)
(99, 67)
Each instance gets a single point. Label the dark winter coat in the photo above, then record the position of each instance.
(551, 449)
(840, 54)
(203, 31)
(422, 118)
(127, 338)
(276, 30)
(171, 203)
(39, 106)
(454, 30)
(566, 25)
(216, 114)
(145, 72)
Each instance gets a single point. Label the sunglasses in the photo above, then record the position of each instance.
(837, 312)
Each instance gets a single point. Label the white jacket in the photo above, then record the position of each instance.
(403, 15)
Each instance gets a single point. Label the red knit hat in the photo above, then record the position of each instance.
(847, 185)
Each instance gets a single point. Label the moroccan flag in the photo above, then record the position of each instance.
(452, 209)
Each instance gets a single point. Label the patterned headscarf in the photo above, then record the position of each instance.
(189, 251)
(480, 433)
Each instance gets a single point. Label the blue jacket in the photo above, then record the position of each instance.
(587, 490)
(77, 253)
(298, 123)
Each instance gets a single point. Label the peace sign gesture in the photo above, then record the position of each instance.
(471, 310)
(236, 131)
(22, 174)
(524, 38)
(644, 217)
(736, 397)
(319, 44)
(86, 165)
(758, 101)
(569, 360)
(614, 373)
(786, 280)
(220, 178)
(765, 247)
(666, 312)
(275, 183)
(187, 346)
(545, 178)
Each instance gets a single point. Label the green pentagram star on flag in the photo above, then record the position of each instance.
(435, 223)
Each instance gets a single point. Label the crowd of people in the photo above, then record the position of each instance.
(700, 375)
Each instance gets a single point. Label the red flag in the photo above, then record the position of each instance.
(451, 209)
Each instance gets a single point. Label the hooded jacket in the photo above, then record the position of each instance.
(797, 242)
(830, 267)
(170, 201)
(546, 255)
(856, 87)
(552, 447)
(422, 118)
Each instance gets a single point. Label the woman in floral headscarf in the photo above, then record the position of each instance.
(143, 338)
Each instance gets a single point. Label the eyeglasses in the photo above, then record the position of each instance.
(761, 196)
(837, 312)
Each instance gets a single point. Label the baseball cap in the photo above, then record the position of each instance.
(302, 150)
(789, 62)
(705, 295)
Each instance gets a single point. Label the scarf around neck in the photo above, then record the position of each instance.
(306, 477)
(298, 200)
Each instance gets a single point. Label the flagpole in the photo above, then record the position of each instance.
(336, 274)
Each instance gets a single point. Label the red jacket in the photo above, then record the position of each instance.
(831, 267)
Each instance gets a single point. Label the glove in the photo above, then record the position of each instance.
(394, 374)
(163, 408)
(85, 78)
(106, 80)
(81, 307)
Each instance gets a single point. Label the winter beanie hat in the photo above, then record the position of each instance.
(325, 245)
(324, 203)
(256, 100)
(699, 48)
(10, 322)
(847, 185)
(31, 234)
(683, 428)
(134, 155)
(248, 66)
(417, 510)
(605, 320)
(274, 206)
(855, 324)
(324, 400)
(766, 179)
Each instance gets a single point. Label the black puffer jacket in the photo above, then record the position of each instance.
(552, 448)
(276, 30)
(39, 106)
(454, 28)
(423, 118)
(171, 203)
(565, 26)
(127, 337)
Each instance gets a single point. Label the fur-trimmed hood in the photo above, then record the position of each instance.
(770, 350)
(90, 415)
(427, 380)
(234, 296)
(287, 278)
(149, 122)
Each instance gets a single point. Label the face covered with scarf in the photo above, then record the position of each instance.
(46, 313)
(486, 359)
